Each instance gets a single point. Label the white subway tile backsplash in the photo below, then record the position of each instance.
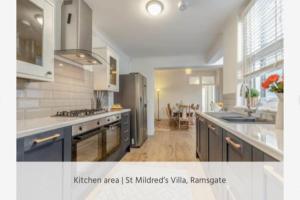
(72, 89)
(38, 93)
(27, 103)
(36, 113)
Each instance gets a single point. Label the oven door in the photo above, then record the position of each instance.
(112, 137)
(88, 146)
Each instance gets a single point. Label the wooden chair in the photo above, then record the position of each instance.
(184, 121)
(172, 120)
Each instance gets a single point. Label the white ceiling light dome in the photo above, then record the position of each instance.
(154, 7)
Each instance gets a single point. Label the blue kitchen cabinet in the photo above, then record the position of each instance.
(54, 145)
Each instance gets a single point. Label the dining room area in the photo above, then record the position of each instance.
(179, 94)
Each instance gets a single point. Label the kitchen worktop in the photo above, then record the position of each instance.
(39, 125)
(264, 137)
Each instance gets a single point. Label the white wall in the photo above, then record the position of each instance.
(230, 45)
(174, 87)
(146, 67)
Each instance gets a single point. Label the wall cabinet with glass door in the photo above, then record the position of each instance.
(106, 76)
(35, 39)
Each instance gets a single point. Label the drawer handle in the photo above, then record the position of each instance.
(211, 127)
(235, 145)
(53, 137)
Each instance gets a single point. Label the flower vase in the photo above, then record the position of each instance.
(279, 114)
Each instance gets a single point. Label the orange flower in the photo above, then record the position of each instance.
(273, 78)
(265, 84)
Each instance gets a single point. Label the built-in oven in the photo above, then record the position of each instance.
(94, 140)
(112, 137)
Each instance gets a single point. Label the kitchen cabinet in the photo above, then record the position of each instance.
(215, 142)
(235, 149)
(106, 76)
(35, 40)
(53, 145)
(125, 132)
(259, 156)
(202, 139)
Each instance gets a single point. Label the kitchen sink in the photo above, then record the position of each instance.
(238, 118)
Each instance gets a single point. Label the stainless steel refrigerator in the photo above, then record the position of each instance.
(133, 94)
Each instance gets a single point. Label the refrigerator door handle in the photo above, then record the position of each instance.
(137, 124)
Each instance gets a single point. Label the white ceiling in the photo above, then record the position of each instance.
(173, 33)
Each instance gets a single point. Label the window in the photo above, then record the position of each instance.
(194, 80)
(262, 43)
(208, 92)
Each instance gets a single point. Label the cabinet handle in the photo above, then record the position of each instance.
(235, 145)
(53, 137)
(48, 73)
(211, 127)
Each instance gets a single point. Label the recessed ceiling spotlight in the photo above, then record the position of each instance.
(182, 5)
(39, 19)
(154, 7)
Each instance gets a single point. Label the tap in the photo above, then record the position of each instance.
(245, 92)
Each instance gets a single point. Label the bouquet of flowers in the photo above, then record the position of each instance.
(274, 83)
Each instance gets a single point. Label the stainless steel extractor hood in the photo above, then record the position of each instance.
(76, 35)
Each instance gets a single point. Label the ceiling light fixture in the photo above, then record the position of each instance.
(39, 19)
(154, 7)
(182, 5)
(188, 71)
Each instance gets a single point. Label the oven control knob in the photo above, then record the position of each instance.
(80, 128)
(108, 120)
(98, 123)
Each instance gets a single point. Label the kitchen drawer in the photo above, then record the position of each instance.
(53, 145)
(125, 118)
(235, 149)
(126, 136)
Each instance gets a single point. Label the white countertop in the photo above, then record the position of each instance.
(264, 137)
(39, 125)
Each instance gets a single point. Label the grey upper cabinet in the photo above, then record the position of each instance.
(53, 145)
(215, 142)
(235, 149)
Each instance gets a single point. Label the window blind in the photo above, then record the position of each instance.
(262, 37)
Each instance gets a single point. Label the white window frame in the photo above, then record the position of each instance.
(247, 76)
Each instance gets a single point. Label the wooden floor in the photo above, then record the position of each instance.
(166, 145)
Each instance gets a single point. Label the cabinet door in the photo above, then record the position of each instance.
(113, 71)
(125, 131)
(35, 40)
(235, 149)
(50, 146)
(215, 140)
(203, 139)
(259, 156)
